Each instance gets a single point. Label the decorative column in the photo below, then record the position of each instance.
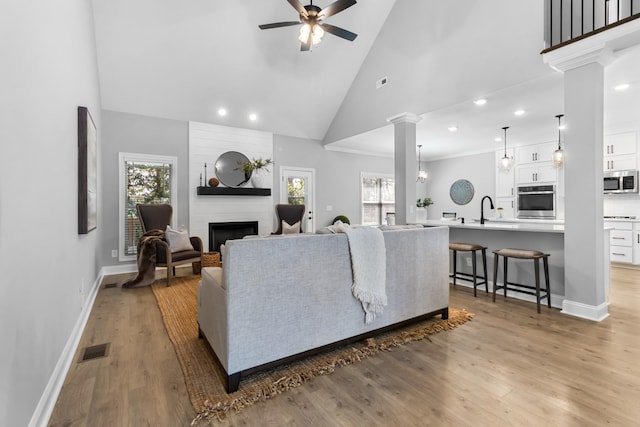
(586, 280)
(406, 171)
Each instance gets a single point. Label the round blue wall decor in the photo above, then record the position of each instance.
(461, 192)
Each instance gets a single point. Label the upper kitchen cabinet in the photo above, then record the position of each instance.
(535, 164)
(537, 153)
(543, 173)
(620, 152)
(505, 180)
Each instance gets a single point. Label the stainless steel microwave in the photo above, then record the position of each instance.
(617, 182)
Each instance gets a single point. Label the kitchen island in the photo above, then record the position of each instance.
(545, 236)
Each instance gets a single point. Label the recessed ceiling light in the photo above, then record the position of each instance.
(622, 86)
(519, 112)
(480, 101)
(222, 112)
(498, 139)
(453, 128)
(253, 117)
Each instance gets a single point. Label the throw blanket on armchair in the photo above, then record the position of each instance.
(146, 259)
(368, 263)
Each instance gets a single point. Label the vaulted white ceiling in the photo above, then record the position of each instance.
(186, 59)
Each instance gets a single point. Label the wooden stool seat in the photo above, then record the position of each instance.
(518, 287)
(469, 247)
(465, 247)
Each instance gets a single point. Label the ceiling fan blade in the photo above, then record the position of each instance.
(340, 32)
(336, 7)
(278, 25)
(299, 7)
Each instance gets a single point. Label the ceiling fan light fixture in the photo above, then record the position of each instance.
(317, 34)
(305, 30)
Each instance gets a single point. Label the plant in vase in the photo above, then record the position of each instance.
(255, 168)
(499, 211)
(421, 209)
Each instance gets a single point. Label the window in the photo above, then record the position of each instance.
(378, 198)
(145, 179)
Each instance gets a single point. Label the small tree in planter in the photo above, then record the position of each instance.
(421, 208)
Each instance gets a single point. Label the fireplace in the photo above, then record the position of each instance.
(220, 232)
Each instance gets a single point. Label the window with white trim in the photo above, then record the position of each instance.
(143, 179)
(378, 197)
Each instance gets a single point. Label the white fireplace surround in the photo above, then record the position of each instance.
(206, 143)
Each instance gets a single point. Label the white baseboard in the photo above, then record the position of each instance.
(597, 313)
(118, 269)
(43, 411)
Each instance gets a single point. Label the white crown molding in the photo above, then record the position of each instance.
(404, 118)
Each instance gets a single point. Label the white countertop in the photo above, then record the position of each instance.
(535, 226)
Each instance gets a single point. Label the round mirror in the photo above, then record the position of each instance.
(229, 169)
(461, 192)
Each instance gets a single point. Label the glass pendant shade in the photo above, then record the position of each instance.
(422, 175)
(506, 162)
(558, 155)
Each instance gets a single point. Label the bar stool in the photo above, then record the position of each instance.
(469, 247)
(518, 287)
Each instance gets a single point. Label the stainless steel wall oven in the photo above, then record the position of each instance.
(537, 201)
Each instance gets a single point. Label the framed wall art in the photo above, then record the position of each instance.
(87, 172)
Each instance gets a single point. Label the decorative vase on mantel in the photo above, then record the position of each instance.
(257, 179)
(421, 214)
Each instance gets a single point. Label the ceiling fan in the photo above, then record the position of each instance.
(312, 28)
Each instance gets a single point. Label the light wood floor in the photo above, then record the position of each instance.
(507, 367)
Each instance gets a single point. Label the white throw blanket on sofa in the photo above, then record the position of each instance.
(368, 263)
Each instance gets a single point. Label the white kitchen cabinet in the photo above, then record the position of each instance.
(635, 236)
(620, 152)
(535, 153)
(621, 241)
(543, 173)
(619, 144)
(508, 205)
(618, 163)
(505, 180)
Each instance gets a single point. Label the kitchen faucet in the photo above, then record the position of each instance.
(482, 207)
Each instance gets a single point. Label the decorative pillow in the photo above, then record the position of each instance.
(290, 229)
(178, 240)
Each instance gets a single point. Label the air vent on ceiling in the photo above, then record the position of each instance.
(94, 352)
(110, 285)
(381, 82)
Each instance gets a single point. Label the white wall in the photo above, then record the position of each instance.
(478, 169)
(48, 270)
(337, 175)
(132, 133)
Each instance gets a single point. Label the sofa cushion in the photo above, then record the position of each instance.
(213, 275)
(178, 240)
(290, 229)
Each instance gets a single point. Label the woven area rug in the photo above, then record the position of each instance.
(205, 380)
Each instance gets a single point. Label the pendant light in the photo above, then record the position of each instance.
(505, 161)
(422, 175)
(558, 155)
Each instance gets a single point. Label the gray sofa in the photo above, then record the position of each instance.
(278, 298)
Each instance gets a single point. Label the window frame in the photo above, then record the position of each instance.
(124, 158)
(380, 203)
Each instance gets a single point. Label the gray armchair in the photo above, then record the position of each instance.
(157, 217)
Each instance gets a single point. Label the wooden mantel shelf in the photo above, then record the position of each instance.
(231, 191)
